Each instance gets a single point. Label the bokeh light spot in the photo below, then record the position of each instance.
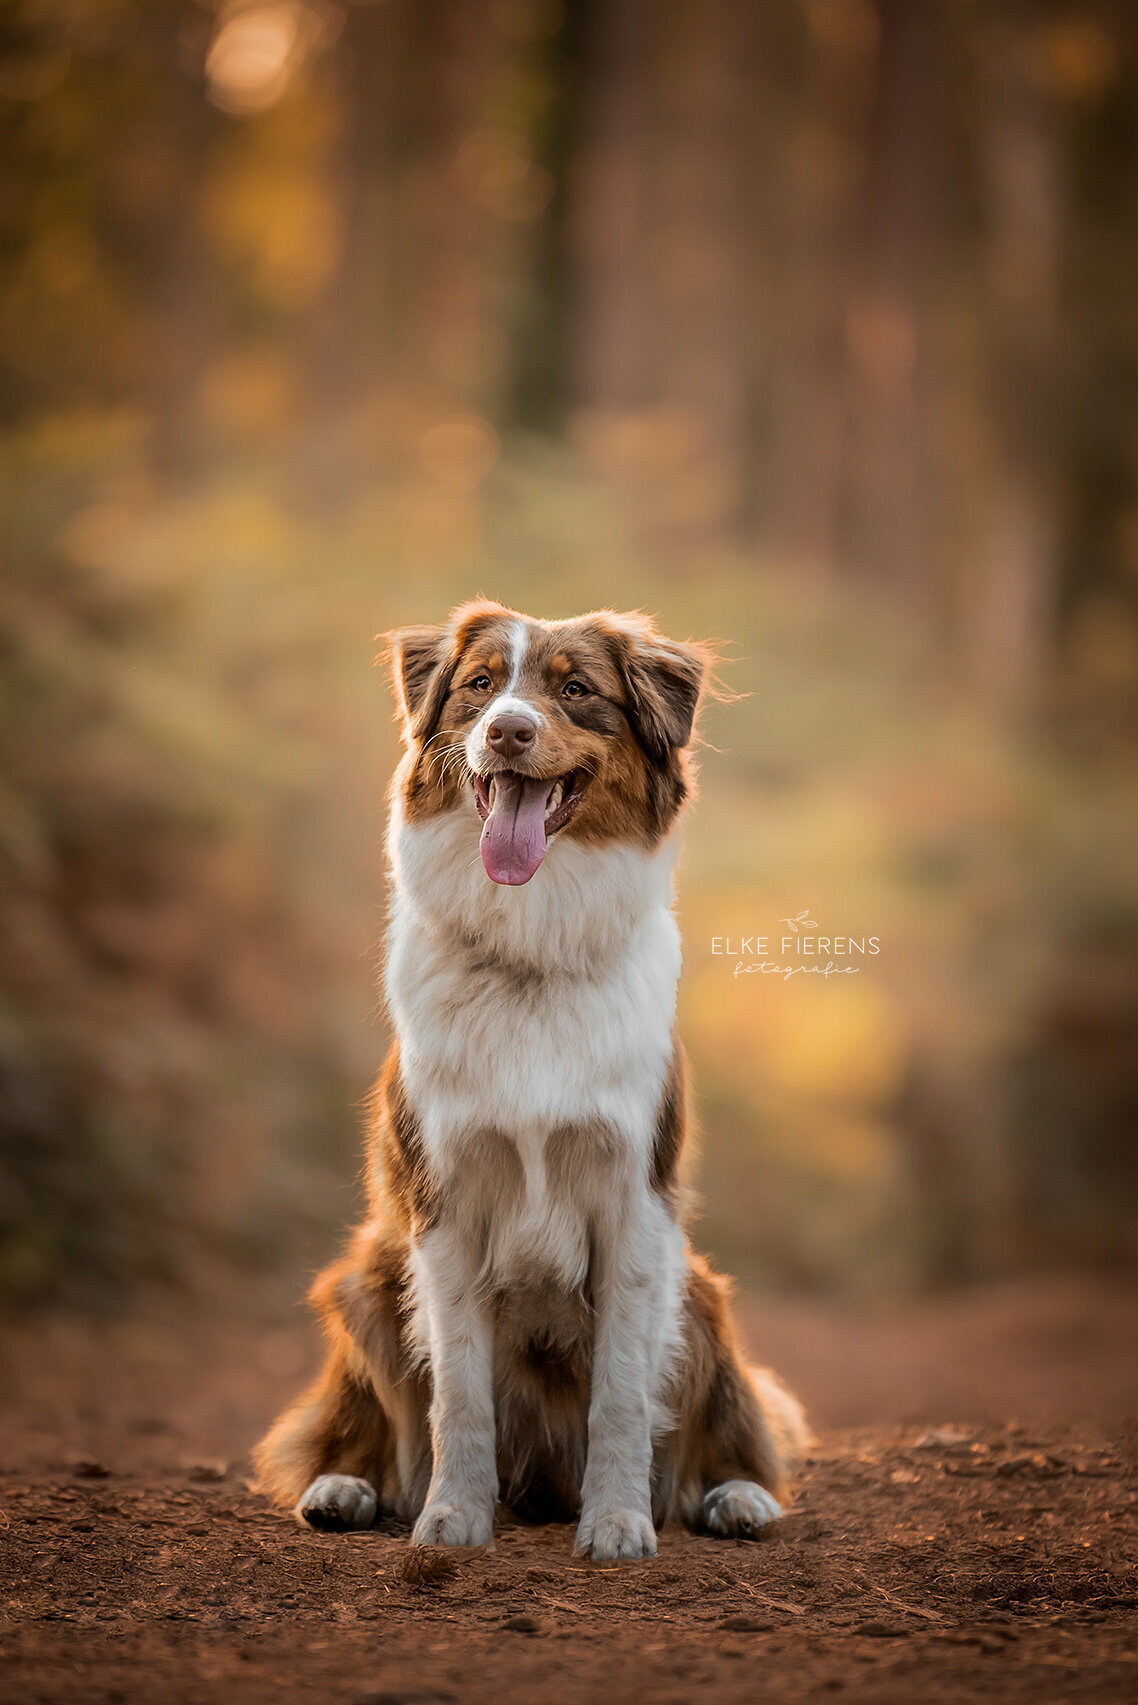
(255, 54)
(459, 453)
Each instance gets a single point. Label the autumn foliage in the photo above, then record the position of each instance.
(809, 327)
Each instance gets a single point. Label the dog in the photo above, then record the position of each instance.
(521, 1320)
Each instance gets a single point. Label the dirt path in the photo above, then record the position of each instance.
(981, 1545)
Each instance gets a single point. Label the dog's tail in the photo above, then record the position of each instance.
(785, 1418)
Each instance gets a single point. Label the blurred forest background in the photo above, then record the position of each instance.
(809, 325)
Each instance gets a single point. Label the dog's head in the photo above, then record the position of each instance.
(574, 728)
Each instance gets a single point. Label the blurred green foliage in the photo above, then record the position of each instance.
(189, 783)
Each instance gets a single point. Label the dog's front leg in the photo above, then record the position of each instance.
(616, 1499)
(463, 1492)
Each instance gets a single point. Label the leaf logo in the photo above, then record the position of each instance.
(802, 918)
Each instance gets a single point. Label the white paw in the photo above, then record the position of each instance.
(338, 1503)
(454, 1524)
(739, 1506)
(610, 1534)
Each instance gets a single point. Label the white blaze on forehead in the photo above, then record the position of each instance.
(507, 701)
(518, 642)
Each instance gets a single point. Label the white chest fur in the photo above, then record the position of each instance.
(529, 1009)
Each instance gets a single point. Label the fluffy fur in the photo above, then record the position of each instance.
(521, 1319)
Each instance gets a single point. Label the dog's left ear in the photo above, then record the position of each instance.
(421, 661)
(662, 679)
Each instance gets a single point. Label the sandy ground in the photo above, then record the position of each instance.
(965, 1529)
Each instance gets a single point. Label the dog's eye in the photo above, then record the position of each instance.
(480, 684)
(574, 690)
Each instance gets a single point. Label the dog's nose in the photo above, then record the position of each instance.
(510, 734)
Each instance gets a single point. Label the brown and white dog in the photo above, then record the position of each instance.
(521, 1318)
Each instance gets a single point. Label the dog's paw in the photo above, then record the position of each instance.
(454, 1524)
(739, 1507)
(606, 1535)
(338, 1503)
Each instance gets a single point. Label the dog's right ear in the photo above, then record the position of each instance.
(421, 662)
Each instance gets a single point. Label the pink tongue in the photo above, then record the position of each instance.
(513, 836)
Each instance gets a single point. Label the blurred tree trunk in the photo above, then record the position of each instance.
(813, 160)
(415, 311)
(609, 222)
(698, 274)
(352, 334)
(175, 140)
(457, 244)
(1014, 594)
(541, 378)
(660, 241)
(891, 537)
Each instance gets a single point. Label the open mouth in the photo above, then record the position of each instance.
(520, 813)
